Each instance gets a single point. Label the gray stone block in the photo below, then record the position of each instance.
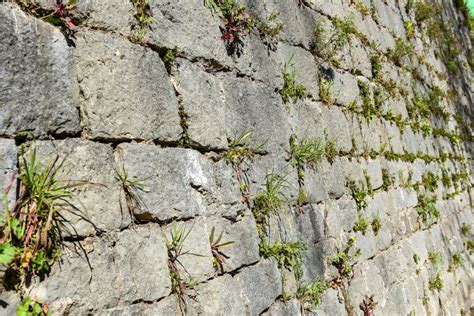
(264, 275)
(38, 92)
(126, 90)
(196, 189)
(133, 263)
(96, 202)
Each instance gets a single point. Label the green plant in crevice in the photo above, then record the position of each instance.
(469, 244)
(435, 258)
(216, 248)
(465, 229)
(376, 225)
(269, 29)
(455, 262)
(287, 254)
(343, 261)
(401, 49)
(310, 294)
(376, 66)
(330, 149)
(291, 89)
(386, 179)
(368, 107)
(32, 307)
(324, 90)
(143, 15)
(131, 188)
(240, 148)
(175, 251)
(361, 224)
(31, 237)
(306, 153)
(170, 57)
(430, 181)
(425, 11)
(427, 210)
(368, 305)
(409, 29)
(436, 283)
(359, 194)
(269, 201)
(445, 178)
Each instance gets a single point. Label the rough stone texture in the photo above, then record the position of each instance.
(120, 82)
(108, 101)
(38, 89)
(195, 190)
(96, 204)
(8, 163)
(132, 263)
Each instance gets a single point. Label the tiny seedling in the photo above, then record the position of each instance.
(359, 195)
(216, 247)
(291, 89)
(310, 294)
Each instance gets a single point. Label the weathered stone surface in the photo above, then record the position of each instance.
(195, 190)
(96, 202)
(218, 108)
(119, 82)
(291, 307)
(133, 263)
(38, 90)
(221, 296)
(195, 263)
(264, 275)
(243, 233)
(8, 163)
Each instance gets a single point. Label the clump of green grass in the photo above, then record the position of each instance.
(31, 236)
(241, 149)
(306, 153)
(324, 90)
(430, 181)
(271, 200)
(291, 89)
(435, 258)
(361, 224)
(287, 254)
(368, 108)
(427, 210)
(425, 11)
(376, 225)
(330, 149)
(310, 294)
(402, 48)
(465, 229)
(456, 262)
(217, 246)
(376, 65)
(359, 194)
(170, 57)
(436, 283)
(386, 179)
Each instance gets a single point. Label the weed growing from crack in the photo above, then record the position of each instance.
(436, 283)
(174, 245)
(30, 240)
(306, 153)
(361, 224)
(376, 225)
(271, 200)
(427, 210)
(455, 262)
(291, 89)
(344, 262)
(32, 307)
(310, 294)
(359, 194)
(216, 247)
(131, 188)
(143, 16)
(368, 305)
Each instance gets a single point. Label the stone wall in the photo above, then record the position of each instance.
(391, 104)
